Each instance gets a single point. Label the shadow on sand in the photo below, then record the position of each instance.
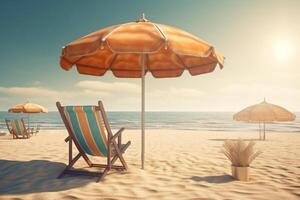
(23, 177)
(213, 179)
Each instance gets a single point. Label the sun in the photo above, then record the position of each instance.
(283, 50)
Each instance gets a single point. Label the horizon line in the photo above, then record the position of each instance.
(151, 111)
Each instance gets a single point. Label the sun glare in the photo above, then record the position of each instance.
(283, 50)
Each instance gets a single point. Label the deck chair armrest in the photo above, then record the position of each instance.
(117, 134)
(67, 139)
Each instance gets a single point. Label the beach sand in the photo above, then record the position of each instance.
(179, 164)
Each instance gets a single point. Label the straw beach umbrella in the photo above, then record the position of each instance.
(132, 49)
(264, 113)
(28, 108)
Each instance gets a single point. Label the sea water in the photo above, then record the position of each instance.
(206, 121)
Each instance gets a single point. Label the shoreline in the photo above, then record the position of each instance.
(185, 121)
(44, 130)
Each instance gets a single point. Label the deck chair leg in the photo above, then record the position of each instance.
(101, 177)
(70, 151)
(107, 169)
(70, 165)
(123, 162)
(15, 136)
(87, 160)
(120, 155)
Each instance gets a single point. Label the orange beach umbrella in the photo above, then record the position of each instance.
(28, 108)
(263, 113)
(132, 49)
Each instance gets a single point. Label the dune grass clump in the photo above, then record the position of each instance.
(239, 152)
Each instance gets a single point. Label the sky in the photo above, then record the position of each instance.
(260, 40)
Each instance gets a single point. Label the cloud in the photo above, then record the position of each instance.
(120, 95)
(172, 98)
(108, 88)
(116, 95)
(125, 96)
(241, 95)
(259, 90)
(176, 93)
(115, 88)
(41, 95)
(29, 91)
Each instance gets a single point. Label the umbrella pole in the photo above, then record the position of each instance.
(259, 131)
(143, 111)
(264, 131)
(28, 119)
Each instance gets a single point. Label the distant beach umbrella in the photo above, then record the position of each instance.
(28, 108)
(264, 113)
(132, 49)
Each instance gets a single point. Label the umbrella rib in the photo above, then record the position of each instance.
(112, 61)
(202, 65)
(79, 57)
(202, 55)
(104, 39)
(211, 49)
(82, 55)
(160, 31)
(89, 66)
(184, 65)
(118, 69)
(133, 52)
(180, 59)
(111, 32)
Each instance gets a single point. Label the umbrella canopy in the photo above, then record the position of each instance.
(27, 108)
(132, 49)
(168, 51)
(264, 112)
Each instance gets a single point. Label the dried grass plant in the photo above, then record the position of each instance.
(239, 152)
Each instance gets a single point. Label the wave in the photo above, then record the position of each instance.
(202, 121)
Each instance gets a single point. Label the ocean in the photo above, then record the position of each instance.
(206, 121)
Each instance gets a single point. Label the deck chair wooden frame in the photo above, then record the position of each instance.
(115, 149)
(26, 133)
(36, 130)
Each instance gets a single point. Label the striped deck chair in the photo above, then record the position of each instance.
(85, 127)
(17, 128)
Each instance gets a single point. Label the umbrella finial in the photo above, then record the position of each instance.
(143, 18)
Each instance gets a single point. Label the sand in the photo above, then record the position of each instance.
(180, 165)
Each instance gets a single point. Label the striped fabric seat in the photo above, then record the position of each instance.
(87, 125)
(90, 131)
(18, 127)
